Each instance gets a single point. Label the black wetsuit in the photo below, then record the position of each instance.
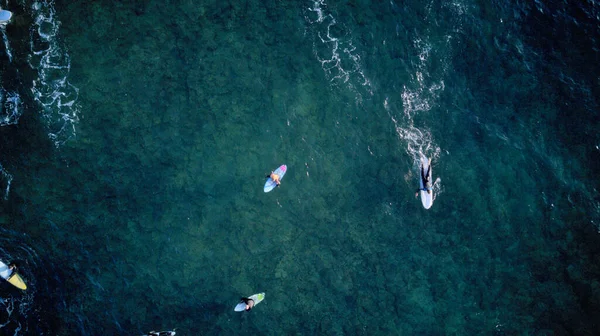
(424, 179)
(13, 268)
(247, 301)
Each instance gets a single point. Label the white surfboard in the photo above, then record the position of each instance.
(426, 198)
(257, 298)
(5, 16)
(270, 184)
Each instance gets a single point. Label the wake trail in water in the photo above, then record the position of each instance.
(6, 43)
(422, 92)
(335, 49)
(52, 89)
(340, 59)
(10, 101)
(5, 181)
(418, 96)
(12, 107)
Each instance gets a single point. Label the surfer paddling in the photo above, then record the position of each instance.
(249, 303)
(275, 178)
(425, 178)
(13, 269)
(162, 333)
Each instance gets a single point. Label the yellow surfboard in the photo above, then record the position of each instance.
(17, 281)
(12, 277)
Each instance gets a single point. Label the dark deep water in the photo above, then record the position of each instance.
(136, 136)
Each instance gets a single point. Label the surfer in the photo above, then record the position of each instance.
(275, 178)
(425, 179)
(161, 333)
(13, 268)
(249, 303)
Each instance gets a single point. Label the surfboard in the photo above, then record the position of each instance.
(5, 16)
(161, 333)
(14, 278)
(257, 298)
(270, 184)
(426, 198)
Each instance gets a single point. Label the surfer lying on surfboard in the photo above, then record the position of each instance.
(13, 269)
(425, 178)
(161, 333)
(249, 303)
(275, 178)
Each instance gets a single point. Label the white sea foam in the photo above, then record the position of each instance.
(418, 96)
(336, 52)
(6, 179)
(52, 90)
(12, 107)
(6, 43)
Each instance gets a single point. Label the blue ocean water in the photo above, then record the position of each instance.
(136, 136)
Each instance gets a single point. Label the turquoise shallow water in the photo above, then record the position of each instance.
(133, 176)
